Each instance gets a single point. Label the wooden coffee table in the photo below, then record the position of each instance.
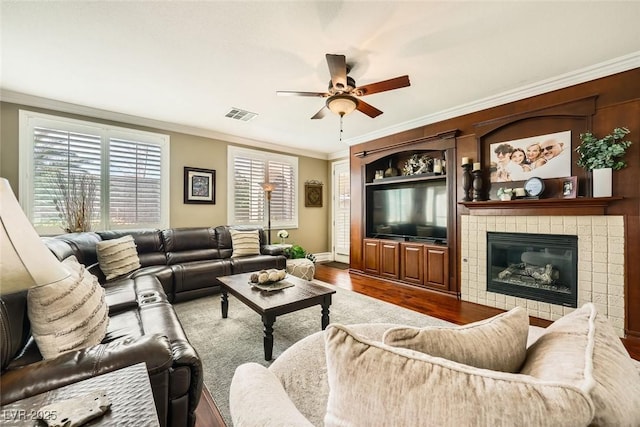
(271, 304)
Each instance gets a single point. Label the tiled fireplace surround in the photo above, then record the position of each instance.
(600, 262)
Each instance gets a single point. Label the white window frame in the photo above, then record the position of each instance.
(265, 156)
(28, 120)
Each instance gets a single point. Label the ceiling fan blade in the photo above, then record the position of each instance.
(296, 93)
(368, 109)
(382, 86)
(338, 70)
(320, 114)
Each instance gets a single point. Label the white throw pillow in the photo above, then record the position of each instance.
(245, 243)
(373, 384)
(583, 344)
(70, 314)
(498, 343)
(117, 256)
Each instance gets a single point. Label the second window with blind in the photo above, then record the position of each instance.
(247, 203)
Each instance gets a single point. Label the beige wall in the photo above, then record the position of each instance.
(200, 152)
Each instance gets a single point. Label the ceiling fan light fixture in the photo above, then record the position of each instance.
(342, 104)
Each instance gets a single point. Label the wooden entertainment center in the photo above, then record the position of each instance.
(425, 257)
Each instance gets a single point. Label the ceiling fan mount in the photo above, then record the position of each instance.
(343, 96)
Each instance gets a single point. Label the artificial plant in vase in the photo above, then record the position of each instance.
(601, 156)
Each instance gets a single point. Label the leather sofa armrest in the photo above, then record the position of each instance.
(257, 398)
(272, 250)
(74, 366)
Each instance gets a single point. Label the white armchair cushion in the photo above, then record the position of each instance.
(371, 383)
(498, 343)
(256, 398)
(606, 364)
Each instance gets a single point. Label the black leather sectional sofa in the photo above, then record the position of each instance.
(176, 264)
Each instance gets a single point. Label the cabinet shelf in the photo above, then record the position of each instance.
(555, 206)
(405, 178)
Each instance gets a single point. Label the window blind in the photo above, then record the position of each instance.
(251, 168)
(58, 157)
(135, 185)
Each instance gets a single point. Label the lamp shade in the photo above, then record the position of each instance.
(342, 104)
(25, 261)
(268, 186)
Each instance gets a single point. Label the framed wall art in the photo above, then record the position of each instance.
(199, 186)
(313, 194)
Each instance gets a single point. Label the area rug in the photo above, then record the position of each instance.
(224, 344)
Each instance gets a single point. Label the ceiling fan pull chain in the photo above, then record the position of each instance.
(341, 116)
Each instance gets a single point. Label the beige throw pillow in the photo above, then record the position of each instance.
(583, 346)
(245, 243)
(70, 314)
(373, 384)
(498, 343)
(117, 256)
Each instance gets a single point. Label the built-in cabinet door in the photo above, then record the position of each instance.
(412, 263)
(389, 259)
(436, 267)
(371, 251)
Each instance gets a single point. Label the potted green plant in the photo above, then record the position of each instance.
(602, 156)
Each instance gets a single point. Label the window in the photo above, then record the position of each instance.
(128, 170)
(246, 198)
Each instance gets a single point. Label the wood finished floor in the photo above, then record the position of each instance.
(432, 303)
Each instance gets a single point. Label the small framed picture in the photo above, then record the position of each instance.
(199, 186)
(569, 187)
(313, 195)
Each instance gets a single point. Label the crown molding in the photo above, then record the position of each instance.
(603, 69)
(66, 107)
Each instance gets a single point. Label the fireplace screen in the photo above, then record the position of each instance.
(541, 267)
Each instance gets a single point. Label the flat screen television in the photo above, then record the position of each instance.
(410, 211)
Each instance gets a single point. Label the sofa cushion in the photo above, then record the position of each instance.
(371, 383)
(245, 243)
(117, 257)
(583, 346)
(70, 314)
(498, 343)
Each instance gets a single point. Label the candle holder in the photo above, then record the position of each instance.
(467, 182)
(477, 185)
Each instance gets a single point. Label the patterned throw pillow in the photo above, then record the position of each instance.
(245, 243)
(117, 256)
(498, 343)
(70, 314)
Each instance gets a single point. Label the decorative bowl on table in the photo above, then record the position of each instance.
(267, 277)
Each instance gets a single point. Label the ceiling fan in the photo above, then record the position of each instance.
(343, 96)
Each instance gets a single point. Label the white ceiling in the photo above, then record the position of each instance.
(189, 63)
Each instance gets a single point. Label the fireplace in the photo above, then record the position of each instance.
(541, 267)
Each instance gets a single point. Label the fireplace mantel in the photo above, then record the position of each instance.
(554, 206)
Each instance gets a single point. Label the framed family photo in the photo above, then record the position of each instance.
(569, 187)
(543, 156)
(199, 186)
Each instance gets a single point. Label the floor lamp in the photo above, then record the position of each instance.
(268, 188)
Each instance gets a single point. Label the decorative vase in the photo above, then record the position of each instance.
(602, 182)
(391, 171)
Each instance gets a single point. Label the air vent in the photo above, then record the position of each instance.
(238, 114)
